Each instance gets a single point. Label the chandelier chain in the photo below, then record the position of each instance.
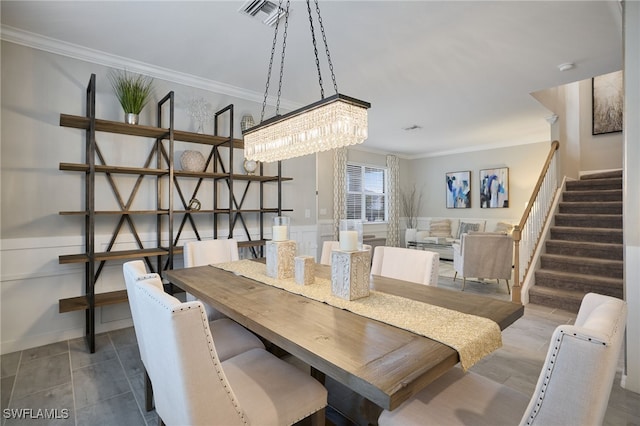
(326, 47)
(284, 46)
(273, 51)
(315, 49)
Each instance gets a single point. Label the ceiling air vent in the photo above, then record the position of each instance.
(267, 12)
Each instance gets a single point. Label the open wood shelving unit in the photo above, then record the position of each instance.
(172, 214)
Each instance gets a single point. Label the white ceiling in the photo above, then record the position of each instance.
(462, 70)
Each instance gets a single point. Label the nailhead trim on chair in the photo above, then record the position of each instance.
(556, 349)
(547, 377)
(212, 351)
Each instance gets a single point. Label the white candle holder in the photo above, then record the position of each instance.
(280, 229)
(350, 235)
(350, 274)
(304, 270)
(280, 256)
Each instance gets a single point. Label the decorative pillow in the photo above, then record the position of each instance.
(465, 228)
(504, 228)
(440, 228)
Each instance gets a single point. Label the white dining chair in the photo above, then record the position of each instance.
(573, 387)
(232, 338)
(419, 266)
(329, 246)
(194, 386)
(209, 252)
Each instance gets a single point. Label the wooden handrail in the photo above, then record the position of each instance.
(517, 229)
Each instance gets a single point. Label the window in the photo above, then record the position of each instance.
(366, 193)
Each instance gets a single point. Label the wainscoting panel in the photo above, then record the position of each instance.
(32, 281)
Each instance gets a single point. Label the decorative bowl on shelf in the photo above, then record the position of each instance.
(250, 166)
(192, 161)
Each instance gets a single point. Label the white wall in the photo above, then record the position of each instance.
(631, 379)
(36, 88)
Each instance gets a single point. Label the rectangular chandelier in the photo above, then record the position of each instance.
(333, 122)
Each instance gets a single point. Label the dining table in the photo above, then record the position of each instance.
(383, 363)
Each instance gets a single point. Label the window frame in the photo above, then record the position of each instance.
(364, 193)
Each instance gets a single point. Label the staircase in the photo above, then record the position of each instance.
(584, 251)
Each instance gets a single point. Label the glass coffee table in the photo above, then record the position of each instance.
(443, 248)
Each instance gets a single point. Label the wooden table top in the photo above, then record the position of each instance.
(385, 364)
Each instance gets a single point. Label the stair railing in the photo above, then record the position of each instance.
(526, 234)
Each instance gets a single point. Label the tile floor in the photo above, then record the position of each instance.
(106, 387)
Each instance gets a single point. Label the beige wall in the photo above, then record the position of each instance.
(524, 163)
(580, 151)
(597, 152)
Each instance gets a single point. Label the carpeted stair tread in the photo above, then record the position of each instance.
(581, 220)
(602, 175)
(578, 207)
(590, 184)
(607, 268)
(596, 235)
(569, 300)
(585, 249)
(591, 195)
(582, 282)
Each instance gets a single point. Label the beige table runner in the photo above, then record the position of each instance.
(472, 336)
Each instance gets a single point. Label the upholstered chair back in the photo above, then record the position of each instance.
(419, 266)
(484, 255)
(190, 386)
(207, 252)
(134, 271)
(576, 379)
(328, 246)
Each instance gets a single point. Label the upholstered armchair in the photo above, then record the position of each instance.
(328, 246)
(194, 386)
(573, 387)
(483, 255)
(419, 266)
(209, 252)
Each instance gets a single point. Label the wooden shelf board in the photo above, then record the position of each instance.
(209, 211)
(115, 212)
(204, 175)
(80, 167)
(80, 122)
(258, 178)
(112, 255)
(81, 303)
(254, 243)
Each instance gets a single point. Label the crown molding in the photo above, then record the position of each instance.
(485, 147)
(58, 47)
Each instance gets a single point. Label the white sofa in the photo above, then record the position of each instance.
(442, 232)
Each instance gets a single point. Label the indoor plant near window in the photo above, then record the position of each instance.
(411, 201)
(133, 91)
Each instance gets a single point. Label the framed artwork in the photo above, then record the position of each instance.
(607, 103)
(458, 190)
(494, 188)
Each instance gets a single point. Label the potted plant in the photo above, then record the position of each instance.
(133, 91)
(411, 201)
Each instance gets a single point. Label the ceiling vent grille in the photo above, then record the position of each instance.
(265, 11)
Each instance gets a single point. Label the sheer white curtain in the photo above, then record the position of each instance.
(393, 232)
(339, 188)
